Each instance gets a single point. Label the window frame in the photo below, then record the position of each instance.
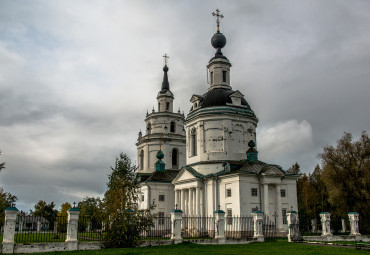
(228, 192)
(254, 192)
(282, 193)
(160, 198)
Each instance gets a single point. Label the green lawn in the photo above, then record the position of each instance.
(273, 248)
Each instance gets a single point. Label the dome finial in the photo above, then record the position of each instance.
(218, 16)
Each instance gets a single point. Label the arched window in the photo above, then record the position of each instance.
(148, 128)
(193, 142)
(172, 127)
(175, 159)
(141, 160)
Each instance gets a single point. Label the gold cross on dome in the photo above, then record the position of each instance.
(218, 15)
(165, 59)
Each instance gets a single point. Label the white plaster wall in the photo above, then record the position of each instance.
(247, 201)
(220, 137)
(153, 193)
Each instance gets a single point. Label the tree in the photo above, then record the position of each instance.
(126, 222)
(6, 199)
(346, 175)
(2, 165)
(45, 210)
(123, 183)
(92, 210)
(294, 169)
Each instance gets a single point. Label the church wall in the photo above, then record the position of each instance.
(247, 201)
(223, 137)
(152, 194)
(232, 202)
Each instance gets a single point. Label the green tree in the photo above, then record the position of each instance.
(346, 175)
(6, 199)
(2, 165)
(91, 211)
(45, 210)
(122, 186)
(126, 223)
(294, 169)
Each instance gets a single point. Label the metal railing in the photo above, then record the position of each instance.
(269, 229)
(160, 230)
(91, 229)
(37, 229)
(197, 227)
(239, 227)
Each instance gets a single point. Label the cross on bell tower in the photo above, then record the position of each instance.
(165, 59)
(218, 16)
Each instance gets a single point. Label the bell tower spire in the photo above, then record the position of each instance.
(165, 83)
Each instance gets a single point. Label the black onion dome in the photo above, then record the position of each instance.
(165, 68)
(218, 40)
(220, 97)
(251, 144)
(165, 83)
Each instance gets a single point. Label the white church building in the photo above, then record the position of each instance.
(209, 160)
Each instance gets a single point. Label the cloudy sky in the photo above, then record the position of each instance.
(77, 77)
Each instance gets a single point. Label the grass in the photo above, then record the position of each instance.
(268, 248)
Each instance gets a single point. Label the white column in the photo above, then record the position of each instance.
(191, 201)
(213, 196)
(176, 218)
(182, 194)
(9, 230)
(72, 229)
(176, 198)
(279, 212)
(197, 202)
(353, 220)
(266, 199)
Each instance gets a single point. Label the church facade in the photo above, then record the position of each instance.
(209, 161)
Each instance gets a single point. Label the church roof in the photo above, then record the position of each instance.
(244, 166)
(159, 176)
(219, 97)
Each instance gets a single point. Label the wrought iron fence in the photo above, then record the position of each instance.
(160, 230)
(91, 229)
(269, 229)
(37, 229)
(340, 226)
(239, 227)
(197, 227)
(2, 221)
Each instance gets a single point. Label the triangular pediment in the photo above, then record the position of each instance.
(183, 176)
(273, 171)
(237, 94)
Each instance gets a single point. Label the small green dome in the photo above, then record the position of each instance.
(160, 155)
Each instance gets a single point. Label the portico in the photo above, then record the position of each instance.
(190, 199)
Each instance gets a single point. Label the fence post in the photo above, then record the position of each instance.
(220, 225)
(293, 224)
(9, 230)
(353, 220)
(343, 226)
(325, 223)
(176, 218)
(258, 226)
(72, 229)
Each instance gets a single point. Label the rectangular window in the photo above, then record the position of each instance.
(161, 198)
(224, 76)
(167, 106)
(282, 192)
(254, 192)
(211, 78)
(161, 218)
(283, 213)
(142, 198)
(229, 216)
(228, 192)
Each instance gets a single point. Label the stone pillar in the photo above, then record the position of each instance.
(279, 220)
(343, 226)
(182, 206)
(266, 199)
(220, 225)
(176, 219)
(39, 225)
(72, 229)
(325, 223)
(9, 230)
(258, 226)
(197, 202)
(313, 225)
(293, 226)
(353, 220)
